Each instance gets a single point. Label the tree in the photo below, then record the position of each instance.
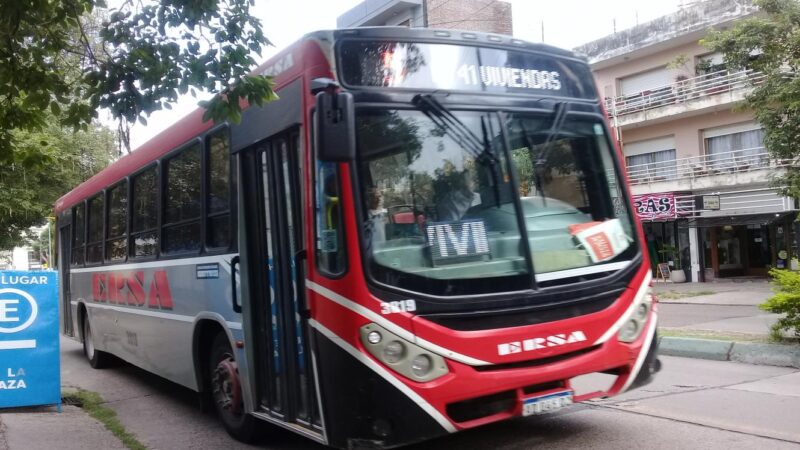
(70, 57)
(30, 186)
(770, 43)
(62, 60)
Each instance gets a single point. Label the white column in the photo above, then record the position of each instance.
(694, 254)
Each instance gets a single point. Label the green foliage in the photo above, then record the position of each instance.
(785, 301)
(95, 406)
(62, 60)
(50, 162)
(673, 253)
(67, 58)
(770, 43)
(679, 62)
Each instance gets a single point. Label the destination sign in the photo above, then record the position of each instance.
(412, 65)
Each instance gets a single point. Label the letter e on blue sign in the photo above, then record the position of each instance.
(30, 369)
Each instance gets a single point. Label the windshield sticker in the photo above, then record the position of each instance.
(602, 240)
(457, 241)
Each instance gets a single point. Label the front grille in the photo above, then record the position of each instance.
(488, 405)
(476, 408)
(536, 362)
(527, 315)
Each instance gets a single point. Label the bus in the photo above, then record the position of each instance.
(429, 231)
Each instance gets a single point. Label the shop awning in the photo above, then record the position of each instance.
(744, 219)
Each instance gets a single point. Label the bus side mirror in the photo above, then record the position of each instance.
(335, 125)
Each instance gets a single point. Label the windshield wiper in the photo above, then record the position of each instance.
(480, 149)
(452, 125)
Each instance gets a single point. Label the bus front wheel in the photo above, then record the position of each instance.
(97, 359)
(226, 392)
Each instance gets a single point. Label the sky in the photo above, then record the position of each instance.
(563, 23)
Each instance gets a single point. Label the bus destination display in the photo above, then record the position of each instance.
(460, 67)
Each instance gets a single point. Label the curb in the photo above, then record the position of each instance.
(744, 352)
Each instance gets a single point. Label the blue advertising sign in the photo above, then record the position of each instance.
(29, 348)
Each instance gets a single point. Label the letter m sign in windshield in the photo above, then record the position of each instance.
(452, 242)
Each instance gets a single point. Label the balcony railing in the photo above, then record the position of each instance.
(683, 91)
(736, 161)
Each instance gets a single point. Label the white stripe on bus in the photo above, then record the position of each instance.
(160, 263)
(636, 300)
(405, 334)
(377, 368)
(642, 353)
(160, 315)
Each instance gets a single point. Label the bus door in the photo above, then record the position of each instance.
(64, 261)
(285, 383)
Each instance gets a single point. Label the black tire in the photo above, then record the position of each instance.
(226, 392)
(97, 359)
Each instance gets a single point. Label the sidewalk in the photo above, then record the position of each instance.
(44, 428)
(737, 329)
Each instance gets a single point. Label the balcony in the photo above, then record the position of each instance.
(697, 94)
(737, 167)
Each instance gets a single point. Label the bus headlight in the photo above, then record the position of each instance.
(393, 352)
(402, 356)
(634, 324)
(374, 337)
(421, 365)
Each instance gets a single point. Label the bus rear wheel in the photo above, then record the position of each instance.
(226, 392)
(97, 359)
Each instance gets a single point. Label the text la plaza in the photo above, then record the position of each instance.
(13, 380)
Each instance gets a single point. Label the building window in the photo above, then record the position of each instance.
(218, 232)
(117, 228)
(653, 166)
(183, 203)
(740, 150)
(94, 232)
(144, 213)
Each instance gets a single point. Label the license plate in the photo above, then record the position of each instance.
(546, 403)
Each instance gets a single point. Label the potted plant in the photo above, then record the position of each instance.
(672, 254)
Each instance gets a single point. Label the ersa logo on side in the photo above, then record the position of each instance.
(133, 289)
(532, 344)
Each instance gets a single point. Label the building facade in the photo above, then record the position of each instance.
(490, 16)
(699, 171)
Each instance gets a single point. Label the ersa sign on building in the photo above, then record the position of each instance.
(29, 349)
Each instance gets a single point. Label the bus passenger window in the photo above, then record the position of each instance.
(182, 205)
(94, 235)
(144, 214)
(330, 234)
(218, 230)
(116, 239)
(78, 230)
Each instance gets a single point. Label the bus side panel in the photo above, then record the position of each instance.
(361, 408)
(145, 315)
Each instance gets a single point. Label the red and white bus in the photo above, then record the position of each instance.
(429, 231)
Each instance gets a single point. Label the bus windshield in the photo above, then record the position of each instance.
(449, 199)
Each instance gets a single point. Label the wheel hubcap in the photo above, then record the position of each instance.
(225, 386)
